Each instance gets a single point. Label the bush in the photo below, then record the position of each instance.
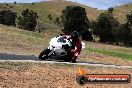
(7, 17)
(50, 17)
(28, 20)
(57, 21)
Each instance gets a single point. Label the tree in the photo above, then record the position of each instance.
(28, 20)
(6, 4)
(106, 25)
(111, 9)
(129, 25)
(93, 26)
(124, 35)
(86, 35)
(33, 3)
(129, 21)
(7, 17)
(124, 31)
(74, 19)
(129, 17)
(15, 2)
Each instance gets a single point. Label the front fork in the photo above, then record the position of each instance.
(51, 48)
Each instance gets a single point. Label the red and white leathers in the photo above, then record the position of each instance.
(77, 47)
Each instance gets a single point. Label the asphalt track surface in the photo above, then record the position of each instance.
(23, 58)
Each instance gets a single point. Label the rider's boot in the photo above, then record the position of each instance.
(74, 60)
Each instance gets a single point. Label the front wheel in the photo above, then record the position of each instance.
(44, 54)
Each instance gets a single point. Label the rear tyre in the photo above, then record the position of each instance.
(44, 54)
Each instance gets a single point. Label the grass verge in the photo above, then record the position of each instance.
(122, 55)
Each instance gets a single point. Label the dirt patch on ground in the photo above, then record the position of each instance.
(25, 75)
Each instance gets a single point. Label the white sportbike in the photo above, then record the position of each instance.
(59, 48)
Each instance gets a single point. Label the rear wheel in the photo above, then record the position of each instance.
(44, 54)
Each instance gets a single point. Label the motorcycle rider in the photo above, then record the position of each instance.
(76, 45)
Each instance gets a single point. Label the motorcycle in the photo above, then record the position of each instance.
(59, 49)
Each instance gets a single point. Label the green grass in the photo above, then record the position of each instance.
(122, 55)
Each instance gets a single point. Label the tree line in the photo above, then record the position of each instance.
(106, 27)
(74, 18)
(27, 20)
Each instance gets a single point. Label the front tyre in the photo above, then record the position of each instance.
(44, 54)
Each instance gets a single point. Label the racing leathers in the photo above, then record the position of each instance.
(76, 47)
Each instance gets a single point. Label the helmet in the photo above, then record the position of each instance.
(74, 35)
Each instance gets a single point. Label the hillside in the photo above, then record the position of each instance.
(55, 9)
(49, 7)
(121, 11)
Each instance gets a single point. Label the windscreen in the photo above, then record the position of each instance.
(61, 39)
